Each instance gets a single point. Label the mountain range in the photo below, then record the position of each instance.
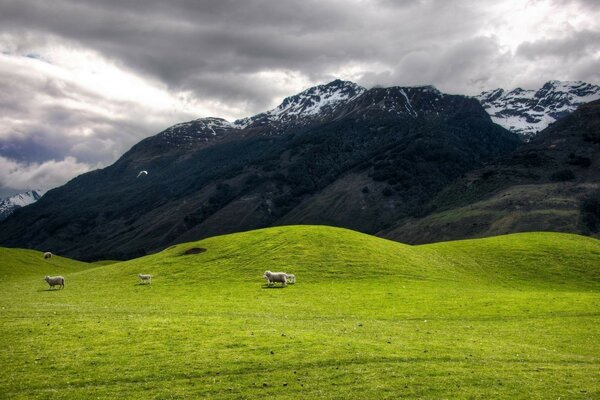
(380, 161)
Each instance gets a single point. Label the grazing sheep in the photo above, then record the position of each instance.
(273, 277)
(291, 278)
(47, 255)
(55, 281)
(144, 278)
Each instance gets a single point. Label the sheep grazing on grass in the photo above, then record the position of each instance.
(273, 277)
(55, 281)
(145, 278)
(291, 278)
(47, 255)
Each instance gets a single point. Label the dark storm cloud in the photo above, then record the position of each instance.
(185, 43)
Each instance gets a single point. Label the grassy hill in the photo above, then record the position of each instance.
(18, 264)
(514, 316)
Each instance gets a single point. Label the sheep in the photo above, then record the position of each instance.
(55, 281)
(273, 277)
(145, 278)
(290, 278)
(47, 255)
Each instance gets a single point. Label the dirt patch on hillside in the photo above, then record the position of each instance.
(194, 250)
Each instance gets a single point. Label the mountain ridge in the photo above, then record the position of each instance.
(523, 111)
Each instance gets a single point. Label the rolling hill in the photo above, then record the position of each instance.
(512, 316)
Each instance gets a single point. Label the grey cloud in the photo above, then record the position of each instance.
(183, 42)
(18, 177)
(575, 45)
(472, 61)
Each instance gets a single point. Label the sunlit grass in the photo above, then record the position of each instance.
(516, 316)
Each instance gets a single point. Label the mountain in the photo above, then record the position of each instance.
(551, 183)
(526, 112)
(317, 104)
(10, 204)
(335, 154)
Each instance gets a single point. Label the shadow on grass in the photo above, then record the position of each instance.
(49, 290)
(273, 287)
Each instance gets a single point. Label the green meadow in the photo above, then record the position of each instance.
(514, 317)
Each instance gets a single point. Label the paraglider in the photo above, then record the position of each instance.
(142, 173)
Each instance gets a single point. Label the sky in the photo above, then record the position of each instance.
(82, 81)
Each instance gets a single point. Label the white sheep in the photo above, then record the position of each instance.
(55, 281)
(47, 255)
(145, 278)
(273, 277)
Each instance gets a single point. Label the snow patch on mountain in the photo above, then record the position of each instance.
(526, 112)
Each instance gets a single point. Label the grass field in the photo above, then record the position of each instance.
(514, 316)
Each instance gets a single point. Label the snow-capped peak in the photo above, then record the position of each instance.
(313, 100)
(10, 204)
(306, 105)
(26, 198)
(527, 112)
(211, 124)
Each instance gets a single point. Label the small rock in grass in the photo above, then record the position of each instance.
(272, 352)
(265, 384)
(284, 383)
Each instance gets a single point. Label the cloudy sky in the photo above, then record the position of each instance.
(82, 81)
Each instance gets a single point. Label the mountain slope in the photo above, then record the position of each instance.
(550, 183)
(209, 177)
(10, 204)
(526, 112)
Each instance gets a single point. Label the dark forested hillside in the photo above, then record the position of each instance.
(551, 183)
(365, 162)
